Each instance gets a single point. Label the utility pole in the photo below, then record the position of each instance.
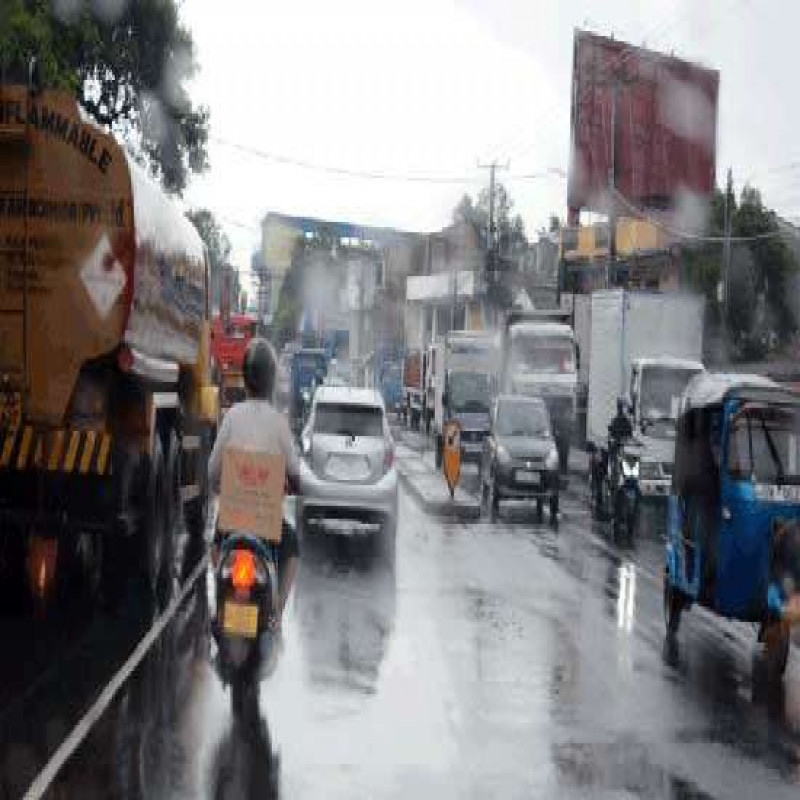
(726, 244)
(491, 237)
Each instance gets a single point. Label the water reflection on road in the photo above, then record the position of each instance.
(344, 609)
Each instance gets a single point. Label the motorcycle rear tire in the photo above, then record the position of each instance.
(244, 698)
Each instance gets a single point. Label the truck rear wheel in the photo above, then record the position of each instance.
(554, 510)
(562, 445)
(196, 511)
(170, 495)
(153, 523)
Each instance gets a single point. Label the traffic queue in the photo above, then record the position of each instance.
(716, 455)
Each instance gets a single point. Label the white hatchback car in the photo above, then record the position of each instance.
(348, 476)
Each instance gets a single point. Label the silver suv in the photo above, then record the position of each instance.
(348, 476)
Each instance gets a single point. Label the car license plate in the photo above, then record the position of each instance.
(10, 409)
(524, 476)
(240, 619)
(347, 469)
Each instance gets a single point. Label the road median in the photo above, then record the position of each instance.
(429, 489)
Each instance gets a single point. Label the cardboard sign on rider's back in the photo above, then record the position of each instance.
(251, 500)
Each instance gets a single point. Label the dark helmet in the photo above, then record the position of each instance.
(259, 368)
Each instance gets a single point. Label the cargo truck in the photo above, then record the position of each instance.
(469, 375)
(229, 340)
(107, 407)
(539, 359)
(643, 347)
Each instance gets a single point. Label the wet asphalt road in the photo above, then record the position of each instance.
(505, 660)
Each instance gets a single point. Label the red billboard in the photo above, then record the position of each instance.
(642, 122)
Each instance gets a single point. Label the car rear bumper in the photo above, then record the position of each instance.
(507, 487)
(340, 500)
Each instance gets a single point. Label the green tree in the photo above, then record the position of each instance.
(510, 239)
(127, 62)
(509, 226)
(219, 250)
(762, 271)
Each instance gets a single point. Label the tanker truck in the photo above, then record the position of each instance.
(107, 407)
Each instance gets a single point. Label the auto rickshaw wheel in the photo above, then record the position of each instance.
(673, 606)
(777, 641)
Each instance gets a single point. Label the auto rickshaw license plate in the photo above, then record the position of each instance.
(525, 476)
(240, 619)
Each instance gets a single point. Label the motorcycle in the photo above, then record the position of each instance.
(617, 492)
(628, 493)
(244, 628)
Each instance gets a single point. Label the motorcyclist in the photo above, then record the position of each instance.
(620, 428)
(619, 431)
(255, 425)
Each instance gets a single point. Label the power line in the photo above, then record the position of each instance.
(277, 158)
(549, 172)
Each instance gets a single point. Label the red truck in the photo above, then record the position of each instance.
(228, 345)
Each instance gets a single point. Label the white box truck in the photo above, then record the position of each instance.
(464, 386)
(644, 347)
(539, 358)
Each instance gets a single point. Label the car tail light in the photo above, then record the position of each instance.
(388, 459)
(243, 571)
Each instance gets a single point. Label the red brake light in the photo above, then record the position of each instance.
(388, 459)
(243, 572)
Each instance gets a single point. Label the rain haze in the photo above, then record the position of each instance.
(399, 399)
(428, 89)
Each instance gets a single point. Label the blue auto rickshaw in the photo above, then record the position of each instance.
(733, 538)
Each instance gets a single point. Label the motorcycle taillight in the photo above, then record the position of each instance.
(243, 569)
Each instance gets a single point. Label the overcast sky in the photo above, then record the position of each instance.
(427, 88)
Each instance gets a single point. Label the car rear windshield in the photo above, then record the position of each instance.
(521, 419)
(346, 419)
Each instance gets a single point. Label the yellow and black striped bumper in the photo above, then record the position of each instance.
(76, 451)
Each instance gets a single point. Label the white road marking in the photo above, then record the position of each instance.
(76, 737)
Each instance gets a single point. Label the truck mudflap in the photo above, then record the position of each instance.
(56, 479)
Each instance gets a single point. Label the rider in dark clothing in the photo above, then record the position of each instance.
(620, 428)
(619, 431)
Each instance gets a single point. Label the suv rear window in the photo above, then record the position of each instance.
(345, 419)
